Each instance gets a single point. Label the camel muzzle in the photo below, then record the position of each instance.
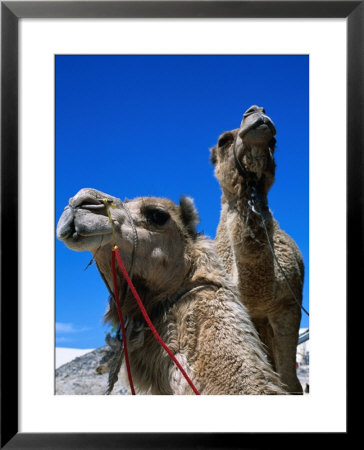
(84, 223)
(80, 222)
(256, 119)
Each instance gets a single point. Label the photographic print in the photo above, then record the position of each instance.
(182, 213)
(91, 124)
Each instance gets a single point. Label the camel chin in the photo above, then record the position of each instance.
(260, 136)
(91, 243)
(257, 157)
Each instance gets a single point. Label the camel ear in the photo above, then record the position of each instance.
(213, 156)
(189, 214)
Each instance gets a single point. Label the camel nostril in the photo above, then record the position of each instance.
(251, 110)
(254, 109)
(86, 199)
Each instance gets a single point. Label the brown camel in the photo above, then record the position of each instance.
(185, 289)
(245, 168)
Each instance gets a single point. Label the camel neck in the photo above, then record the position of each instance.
(249, 197)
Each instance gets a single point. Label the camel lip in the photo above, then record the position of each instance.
(78, 242)
(65, 226)
(86, 235)
(72, 235)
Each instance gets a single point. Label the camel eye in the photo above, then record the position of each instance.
(157, 217)
(225, 139)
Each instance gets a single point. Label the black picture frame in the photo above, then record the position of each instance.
(11, 12)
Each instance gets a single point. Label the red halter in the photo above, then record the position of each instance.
(115, 252)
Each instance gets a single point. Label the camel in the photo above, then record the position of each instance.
(185, 289)
(241, 240)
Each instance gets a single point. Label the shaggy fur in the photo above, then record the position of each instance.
(186, 290)
(242, 244)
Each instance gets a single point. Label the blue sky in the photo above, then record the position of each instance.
(143, 125)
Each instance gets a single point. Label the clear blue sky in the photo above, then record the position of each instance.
(143, 125)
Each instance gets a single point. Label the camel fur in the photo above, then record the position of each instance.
(185, 289)
(242, 243)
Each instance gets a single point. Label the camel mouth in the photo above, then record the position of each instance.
(80, 228)
(259, 123)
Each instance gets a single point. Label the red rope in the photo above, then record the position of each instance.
(121, 319)
(146, 317)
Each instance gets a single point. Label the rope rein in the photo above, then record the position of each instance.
(254, 206)
(121, 319)
(107, 204)
(147, 319)
(116, 254)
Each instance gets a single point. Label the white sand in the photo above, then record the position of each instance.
(65, 355)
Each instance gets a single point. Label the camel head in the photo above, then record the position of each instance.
(254, 144)
(96, 221)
